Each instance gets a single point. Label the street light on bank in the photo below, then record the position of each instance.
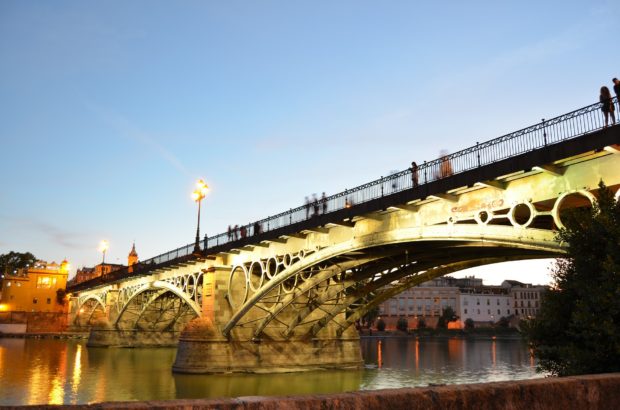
(199, 193)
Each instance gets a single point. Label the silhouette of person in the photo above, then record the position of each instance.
(230, 234)
(414, 174)
(324, 201)
(315, 203)
(236, 232)
(445, 168)
(616, 88)
(206, 240)
(256, 228)
(608, 105)
(307, 208)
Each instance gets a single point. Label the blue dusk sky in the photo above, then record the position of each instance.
(112, 109)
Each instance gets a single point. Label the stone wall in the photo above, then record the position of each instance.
(37, 322)
(583, 392)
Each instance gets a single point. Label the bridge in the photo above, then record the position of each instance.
(286, 295)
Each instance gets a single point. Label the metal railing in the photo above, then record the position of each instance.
(548, 132)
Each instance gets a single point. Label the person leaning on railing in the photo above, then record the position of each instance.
(608, 105)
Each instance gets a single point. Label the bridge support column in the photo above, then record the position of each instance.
(203, 348)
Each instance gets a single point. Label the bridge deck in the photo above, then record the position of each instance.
(573, 134)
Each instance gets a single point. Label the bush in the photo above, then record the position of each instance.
(380, 325)
(469, 323)
(402, 324)
(421, 323)
(503, 322)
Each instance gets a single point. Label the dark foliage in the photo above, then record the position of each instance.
(380, 325)
(402, 324)
(469, 323)
(16, 260)
(577, 330)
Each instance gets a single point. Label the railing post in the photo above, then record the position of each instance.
(290, 216)
(425, 173)
(382, 186)
(478, 153)
(544, 132)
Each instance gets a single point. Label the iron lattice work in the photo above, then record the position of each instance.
(165, 305)
(90, 308)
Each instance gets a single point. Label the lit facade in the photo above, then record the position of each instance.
(35, 289)
(469, 299)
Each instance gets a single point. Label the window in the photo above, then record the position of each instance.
(488, 311)
(508, 311)
(45, 282)
(497, 302)
(498, 312)
(465, 302)
(488, 302)
(34, 301)
(49, 300)
(478, 311)
(465, 310)
(477, 301)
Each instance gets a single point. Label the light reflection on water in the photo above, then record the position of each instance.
(36, 371)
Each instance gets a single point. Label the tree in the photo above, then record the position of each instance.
(576, 330)
(380, 325)
(447, 315)
(402, 324)
(469, 323)
(369, 318)
(421, 323)
(16, 260)
(503, 322)
(60, 296)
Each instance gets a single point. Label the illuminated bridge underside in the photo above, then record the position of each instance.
(288, 303)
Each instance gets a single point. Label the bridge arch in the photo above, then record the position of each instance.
(87, 308)
(142, 300)
(493, 242)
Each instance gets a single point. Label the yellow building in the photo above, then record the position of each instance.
(35, 289)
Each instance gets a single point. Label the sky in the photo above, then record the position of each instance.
(111, 110)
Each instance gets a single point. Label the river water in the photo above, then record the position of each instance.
(39, 371)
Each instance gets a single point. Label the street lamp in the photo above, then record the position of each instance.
(199, 193)
(103, 246)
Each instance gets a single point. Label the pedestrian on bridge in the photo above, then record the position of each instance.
(608, 105)
(414, 174)
(617, 88)
(324, 201)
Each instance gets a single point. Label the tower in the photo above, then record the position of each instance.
(132, 258)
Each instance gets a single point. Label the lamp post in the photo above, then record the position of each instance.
(103, 246)
(199, 193)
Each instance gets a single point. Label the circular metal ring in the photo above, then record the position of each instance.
(512, 214)
(254, 266)
(555, 212)
(230, 285)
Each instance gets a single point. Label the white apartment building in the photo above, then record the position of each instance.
(468, 297)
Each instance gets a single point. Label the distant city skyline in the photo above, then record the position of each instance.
(110, 114)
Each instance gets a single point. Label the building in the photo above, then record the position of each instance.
(36, 289)
(484, 304)
(86, 273)
(525, 297)
(469, 299)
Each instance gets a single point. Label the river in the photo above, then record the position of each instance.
(52, 371)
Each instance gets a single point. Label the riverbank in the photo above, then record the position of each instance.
(480, 333)
(579, 392)
(45, 335)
